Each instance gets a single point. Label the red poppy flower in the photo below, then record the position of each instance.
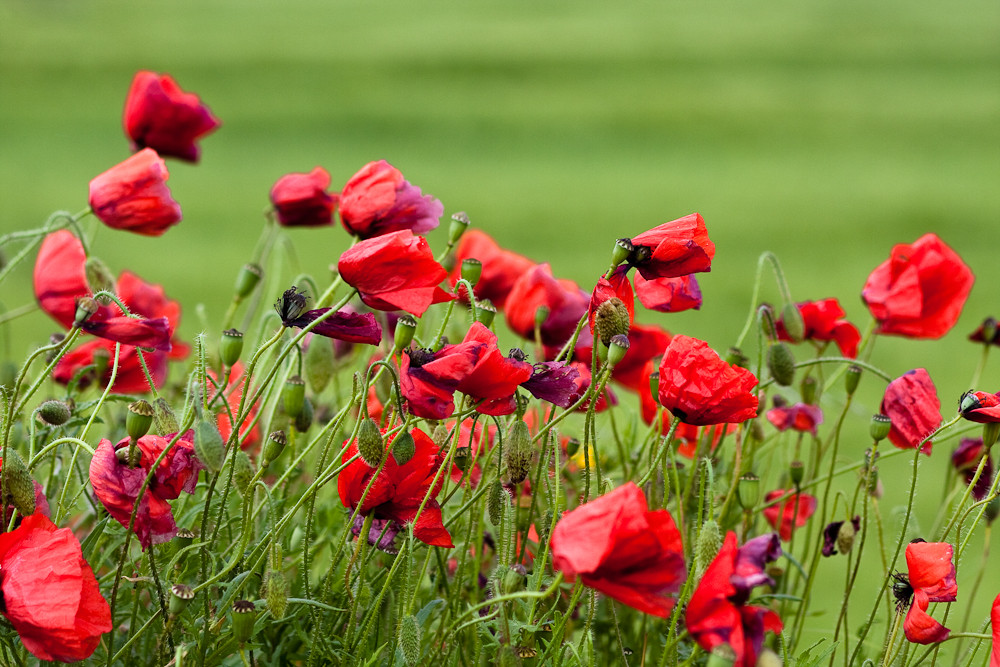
(159, 115)
(50, 594)
(100, 353)
(618, 547)
(699, 388)
(791, 513)
(995, 626)
(911, 403)
(395, 271)
(688, 436)
(378, 200)
(824, 321)
(117, 485)
(501, 268)
(133, 195)
(428, 380)
(646, 342)
(980, 407)
(669, 295)
(564, 301)
(932, 578)
(798, 417)
(399, 490)
(673, 249)
(920, 290)
(718, 613)
(965, 459)
(615, 286)
(493, 377)
(232, 395)
(301, 200)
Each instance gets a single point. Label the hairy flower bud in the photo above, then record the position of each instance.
(517, 451)
(513, 579)
(795, 326)
(495, 499)
(807, 388)
(19, 487)
(243, 474)
(409, 640)
(208, 446)
(230, 346)
(54, 413)
(247, 280)
(244, 616)
(318, 364)
(709, 543)
(370, 443)
(139, 419)
(403, 448)
(294, 396)
(611, 319)
(781, 363)
(275, 587)
(164, 418)
(990, 432)
(99, 276)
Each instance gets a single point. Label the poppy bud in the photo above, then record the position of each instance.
(472, 269)
(845, 537)
(404, 447)
(880, 427)
(807, 388)
(622, 250)
(517, 451)
(463, 458)
(409, 640)
(768, 658)
(20, 490)
(208, 446)
(709, 543)
(781, 363)
(495, 502)
(543, 528)
(319, 363)
(611, 318)
(796, 471)
(617, 349)
(989, 328)
(405, 326)
(85, 308)
(440, 435)
(294, 396)
(247, 280)
(99, 276)
(735, 357)
(485, 312)
(573, 446)
(851, 379)
(243, 474)
(54, 413)
(992, 509)
(748, 491)
(180, 596)
(654, 386)
(139, 419)
(230, 346)
(370, 444)
(244, 616)
(721, 656)
(8, 373)
(276, 592)
(513, 579)
(166, 421)
(795, 326)
(459, 223)
(541, 314)
(990, 432)
(305, 418)
(274, 446)
(765, 315)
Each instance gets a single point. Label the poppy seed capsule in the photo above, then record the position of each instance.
(485, 312)
(403, 448)
(247, 280)
(406, 325)
(274, 446)
(99, 276)
(230, 346)
(459, 223)
(305, 418)
(879, 427)
(796, 470)
(622, 250)
(180, 596)
(54, 413)
(85, 309)
(795, 326)
(472, 269)
(611, 319)
(370, 443)
(244, 616)
(139, 419)
(748, 491)
(851, 379)
(781, 363)
(294, 396)
(185, 538)
(617, 349)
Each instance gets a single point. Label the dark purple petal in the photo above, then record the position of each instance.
(748, 572)
(342, 325)
(382, 533)
(555, 382)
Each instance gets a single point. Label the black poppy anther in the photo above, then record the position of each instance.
(901, 590)
(291, 304)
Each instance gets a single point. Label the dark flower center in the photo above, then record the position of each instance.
(420, 356)
(291, 304)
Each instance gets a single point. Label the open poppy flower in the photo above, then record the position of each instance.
(669, 295)
(718, 613)
(133, 196)
(920, 290)
(395, 271)
(799, 417)
(791, 513)
(965, 459)
(699, 388)
(347, 325)
(398, 490)
(824, 321)
(378, 200)
(995, 627)
(501, 268)
(161, 116)
(618, 547)
(50, 595)
(493, 378)
(615, 286)
(912, 404)
(301, 200)
(428, 380)
(932, 578)
(563, 301)
(673, 249)
(981, 407)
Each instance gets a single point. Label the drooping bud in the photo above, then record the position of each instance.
(513, 579)
(275, 587)
(139, 419)
(990, 432)
(17, 479)
(611, 319)
(795, 327)
(273, 447)
(463, 458)
(305, 418)
(472, 269)
(370, 443)
(709, 543)
(485, 312)
(992, 509)
(735, 357)
(807, 388)
(517, 451)
(748, 491)
(230, 346)
(247, 280)
(572, 447)
(318, 363)
(209, 446)
(406, 325)
(409, 640)
(845, 537)
(99, 276)
(781, 363)
(244, 616)
(180, 596)
(851, 379)
(54, 413)
(294, 396)
(403, 448)
(617, 349)
(85, 309)
(622, 250)
(765, 315)
(880, 427)
(243, 474)
(495, 500)
(164, 418)
(459, 223)
(796, 470)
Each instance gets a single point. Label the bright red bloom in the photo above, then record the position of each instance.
(646, 342)
(995, 626)
(501, 268)
(616, 286)
(920, 290)
(378, 200)
(673, 249)
(718, 612)
(791, 513)
(130, 378)
(563, 300)
(493, 376)
(399, 490)
(699, 388)
(428, 380)
(617, 546)
(159, 115)
(824, 321)
(912, 404)
(965, 459)
(932, 577)
(981, 407)
(133, 195)
(117, 485)
(669, 295)
(395, 271)
(799, 417)
(301, 200)
(688, 436)
(50, 594)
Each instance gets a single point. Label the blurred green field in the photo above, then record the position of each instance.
(823, 131)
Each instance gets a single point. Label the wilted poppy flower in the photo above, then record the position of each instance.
(618, 547)
(117, 485)
(583, 381)
(398, 490)
(920, 290)
(493, 377)
(965, 460)
(911, 403)
(159, 115)
(378, 200)
(346, 325)
(832, 535)
(563, 301)
(824, 321)
(673, 249)
(791, 513)
(699, 388)
(395, 271)
(799, 417)
(980, 407)
(988, 332)
(718, 613)
(669, 295)
(133, 196)
(554, 381)
(501, 268)
(932, 578)
(50, 594)
(301, 200)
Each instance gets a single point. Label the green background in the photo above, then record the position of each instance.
(823, 131)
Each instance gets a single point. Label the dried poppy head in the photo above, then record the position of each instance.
(291, 304)
(902, 590)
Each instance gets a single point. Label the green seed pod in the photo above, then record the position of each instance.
(319, 364)
(230, 346)
(184, 538)
(851, 379)
(406, 325)
(180, 596)
(139, 419)
(795, 327)
(85, 309)
(486, 312)
(472, 269)
(459, 223)
(243, 474)
(513, 579)
(99, 276)
(209, 446)
(807, 388)
(244, 616)
(707, 548)
(617, 349)
(370, 443)
(495, 499)
(164, 418)
(276, 593)
(20, 490)
(781, 363)
(273, 447)
(305, 418)
(735, 357)
(611, 319)
(463, 458)
(990, 432)
(748, 491)
(796, 470)
(294, 396)
(623, 248)
(880, 427)
(403, 448)
(517, 451)
(247, 280)
(572, 447)
(409, 640)
(54, 413)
